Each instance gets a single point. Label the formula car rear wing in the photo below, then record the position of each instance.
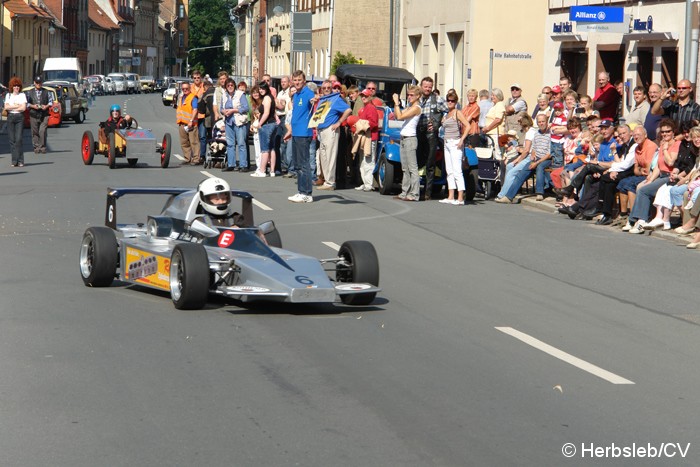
(113, 194)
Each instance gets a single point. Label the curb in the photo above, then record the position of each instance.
(547, 205)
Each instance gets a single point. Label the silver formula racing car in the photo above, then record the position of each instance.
(179, 252)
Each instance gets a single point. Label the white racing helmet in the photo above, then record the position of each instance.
(208, 190)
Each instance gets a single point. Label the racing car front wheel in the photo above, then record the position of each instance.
(98, 256)
(189, 276)
(165, 151)
(87, 147)
(359, 264)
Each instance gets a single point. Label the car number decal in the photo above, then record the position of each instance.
(226, 238)
(304, 280)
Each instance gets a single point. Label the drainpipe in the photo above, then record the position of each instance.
(693, 67)
(330, 38)
(687, 42)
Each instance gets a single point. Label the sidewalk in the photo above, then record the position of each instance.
(547, 205)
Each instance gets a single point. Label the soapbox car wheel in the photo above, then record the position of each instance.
(165, 151)
(112, 156)
(189, 276)
(98, 256)
(87, 147)
(359, 263)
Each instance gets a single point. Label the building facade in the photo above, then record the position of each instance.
(650, 45)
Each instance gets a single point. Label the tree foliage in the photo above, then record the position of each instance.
(209, 23)
(343, 59)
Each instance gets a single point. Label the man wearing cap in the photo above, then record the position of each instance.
(606, 157)
(556, 94)
(606, 97)
(514, 106)
(39, 101)
(328, 135)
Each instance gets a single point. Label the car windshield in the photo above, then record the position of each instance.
(118, 78)
(60, 75)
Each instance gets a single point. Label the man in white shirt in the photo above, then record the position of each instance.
(639, 112)
(281, 103)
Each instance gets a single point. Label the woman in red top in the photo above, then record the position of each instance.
(471, 111)
(369, 113)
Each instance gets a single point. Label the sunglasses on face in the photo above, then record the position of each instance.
(665, 132)
(451, 101)
(680, 88)
(185, 89)
(374, 89)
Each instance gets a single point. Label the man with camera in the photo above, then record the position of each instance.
(433, 108)
(681, 110)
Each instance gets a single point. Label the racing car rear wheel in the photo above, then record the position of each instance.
(165, 154)
(98, 256)
(87, 147)
(132, 162)
(112, 156)
(189, 276)
(359, 263)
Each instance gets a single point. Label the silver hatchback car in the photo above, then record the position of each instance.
(119, 82)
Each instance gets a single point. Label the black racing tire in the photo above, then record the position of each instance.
(165, 154)
(112, 156)
(80, 118)
(132, 162)
(99, 255)
(471, 182)
(189, 276)
(359, 264)
(385, 175)
(87, 148)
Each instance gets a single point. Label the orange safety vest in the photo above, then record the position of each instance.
(184, 110)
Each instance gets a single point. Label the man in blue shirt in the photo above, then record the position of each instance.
(300, 133)
(328, 134)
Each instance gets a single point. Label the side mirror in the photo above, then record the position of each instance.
(267, 227)
(203, 229)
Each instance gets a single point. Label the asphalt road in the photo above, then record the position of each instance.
(501, 334)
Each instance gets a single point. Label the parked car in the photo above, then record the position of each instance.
(55, 112)
(96, 83)
(133, 83)
(109, 86)
(159, 85)
(73, 105)
(119, 82)
(169, 94)
(389, 80)
(148, 84)
(388, 173)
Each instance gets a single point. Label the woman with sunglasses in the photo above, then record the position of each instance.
(410, 184)
(15, 105)
(454, 149)
(659, 176)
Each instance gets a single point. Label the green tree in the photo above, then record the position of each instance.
(343, 59)
(209, 23)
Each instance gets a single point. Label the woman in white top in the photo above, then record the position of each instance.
(410, 184)
(495, 116)
(15, 105)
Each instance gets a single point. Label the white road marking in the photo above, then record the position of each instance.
(207, 174)
(262, 206)
(332, 246)
(179, 157)
(568, 358)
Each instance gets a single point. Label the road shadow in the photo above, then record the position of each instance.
(14, 173)
(265, 308)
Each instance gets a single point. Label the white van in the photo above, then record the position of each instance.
(63, 69)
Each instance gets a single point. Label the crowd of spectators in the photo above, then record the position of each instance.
(633, 169)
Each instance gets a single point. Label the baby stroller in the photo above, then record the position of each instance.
(216, 146)
(489, 166)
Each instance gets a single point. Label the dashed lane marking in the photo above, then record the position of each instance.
(568, 358)
(332, 246)
(262, 206)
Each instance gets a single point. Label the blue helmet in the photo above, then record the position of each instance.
(115, 107)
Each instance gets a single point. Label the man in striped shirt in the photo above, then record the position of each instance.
(684, 109)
